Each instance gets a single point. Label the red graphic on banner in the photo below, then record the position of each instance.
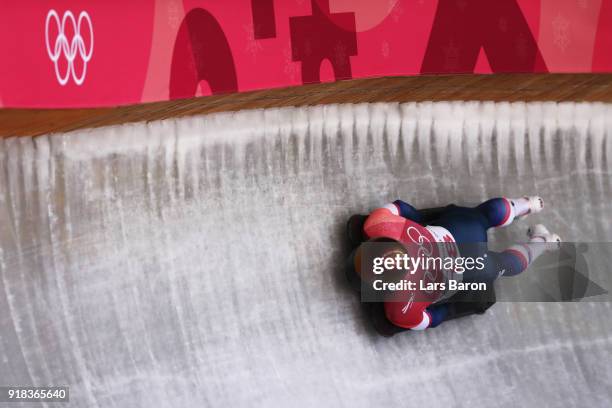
(201, 53)
(462, 28)
(322, 36)
(602, 58)
(264, 23)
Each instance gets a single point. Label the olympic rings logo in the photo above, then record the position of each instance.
(69, 48)
(426, 249)
(425, 246)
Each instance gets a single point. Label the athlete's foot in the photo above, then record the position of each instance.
(539, 233)
(527, 205)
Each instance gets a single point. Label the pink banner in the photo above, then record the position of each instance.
(68, 53)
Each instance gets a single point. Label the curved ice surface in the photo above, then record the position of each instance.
(197, 262)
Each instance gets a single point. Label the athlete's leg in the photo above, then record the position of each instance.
(516, 258)
(467, 225)
(500, 212)
(527, 205)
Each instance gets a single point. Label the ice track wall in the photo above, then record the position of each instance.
(197, 262)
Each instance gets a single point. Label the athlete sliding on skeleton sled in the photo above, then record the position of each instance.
(456, 230)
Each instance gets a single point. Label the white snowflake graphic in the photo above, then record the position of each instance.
(397, 10)
(561, 31)
(341, 55)
(390, 5)
(252, 46)
(503, 25)
(173, 14)
(385, 49)
(451, 56)
(291, 68)
(521, 46)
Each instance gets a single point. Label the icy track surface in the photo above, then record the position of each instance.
(197, 262)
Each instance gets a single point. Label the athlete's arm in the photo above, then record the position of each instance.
(409, 315)
(403, 209)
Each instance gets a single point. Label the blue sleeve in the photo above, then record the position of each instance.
(437, 313)
(408, 211)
